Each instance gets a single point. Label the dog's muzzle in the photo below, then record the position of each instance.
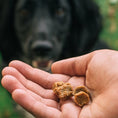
(41, 52)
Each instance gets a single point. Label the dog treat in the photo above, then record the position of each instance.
(65, 91)
(62, 90)
(81, 98)
(57, 84)
(80, 88)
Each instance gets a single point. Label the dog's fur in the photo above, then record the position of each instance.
(42, 31)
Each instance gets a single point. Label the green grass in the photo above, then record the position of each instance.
(7, 109)
(6, 105)
(111, 38)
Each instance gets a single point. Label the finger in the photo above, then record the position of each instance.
(48, 102)
(11, 83)
(14, 74)
(72, 66)
(38, 76)
(69, 109)
(37, 108)
(45, 93)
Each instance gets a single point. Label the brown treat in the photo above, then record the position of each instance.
(81, 98)
(57, 84)
(80, 88)
(62, 90)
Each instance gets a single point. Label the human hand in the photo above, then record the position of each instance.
(32, 89)
(100, 70)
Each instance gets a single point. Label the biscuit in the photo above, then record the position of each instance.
(62, 90)
(81, 98)
(80, 88)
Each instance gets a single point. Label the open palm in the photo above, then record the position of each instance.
(32, 88)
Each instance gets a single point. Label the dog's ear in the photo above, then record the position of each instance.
(86, 25)
(8, 42)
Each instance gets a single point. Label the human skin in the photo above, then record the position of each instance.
(32, 88)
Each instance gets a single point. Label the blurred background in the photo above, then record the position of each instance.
(109, 11)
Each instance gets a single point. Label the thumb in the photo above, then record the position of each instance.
(73, 66)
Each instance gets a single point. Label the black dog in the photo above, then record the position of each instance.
(40, 32)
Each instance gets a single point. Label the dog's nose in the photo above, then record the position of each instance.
(41, 48)
(41, 36)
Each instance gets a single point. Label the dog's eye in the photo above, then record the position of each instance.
(60, 12)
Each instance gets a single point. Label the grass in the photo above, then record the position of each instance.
(7, 109)
(6, 105)
(109, 36)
